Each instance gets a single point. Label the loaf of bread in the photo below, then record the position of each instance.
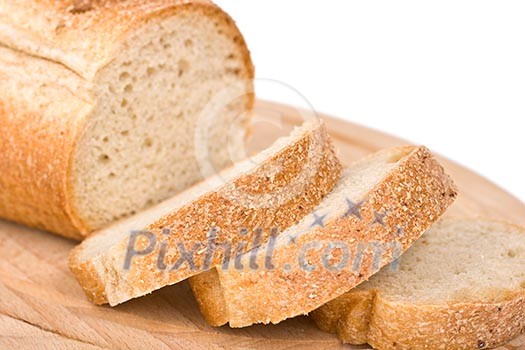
(240, 208)
(380, 207)
(461, 286)
(100, 103)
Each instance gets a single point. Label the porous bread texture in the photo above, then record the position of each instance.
(273, 189)
(461, 286)
(100, 106)
(138, 146)
(383, 202)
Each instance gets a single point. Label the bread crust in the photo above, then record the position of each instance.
(103, 278)
(363, 317)
(347, 316)
(51, 29)
(417, 191)
(37, 145)
(367, 316)
(210, 298)
(459, 326)
(39, 138)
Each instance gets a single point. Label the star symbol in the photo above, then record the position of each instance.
(400, 232)
(353, 209)
(397, 251)
(243, 231)
(318, 220)
(291, 240)
(379, 218)
(212, 233)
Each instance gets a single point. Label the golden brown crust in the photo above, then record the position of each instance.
(191, 223)
(51, 29)
(36, 157)
(347, 316)
(397, 326)
(86, 274)
(36, 189)
(209, 296)
(415, 193)
(460, 326)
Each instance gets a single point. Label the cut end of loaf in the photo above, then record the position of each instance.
(460, 286)
(138, 147)
(458, 261)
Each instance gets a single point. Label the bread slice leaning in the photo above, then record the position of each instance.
(381, 205)
(100, 103)
(239, 208)
(462, 286)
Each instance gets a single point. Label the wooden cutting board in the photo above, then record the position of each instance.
(42, 307)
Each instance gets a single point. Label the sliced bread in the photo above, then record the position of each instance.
(240, 207)
(462, 286)
(100, 102)
(381, 205)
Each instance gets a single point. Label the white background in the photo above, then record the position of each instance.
(446, 74)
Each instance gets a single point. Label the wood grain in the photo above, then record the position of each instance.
(41, 305)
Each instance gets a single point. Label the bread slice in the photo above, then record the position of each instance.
(100, 103)
(462, 286)
(380, 207)
(239, 208)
